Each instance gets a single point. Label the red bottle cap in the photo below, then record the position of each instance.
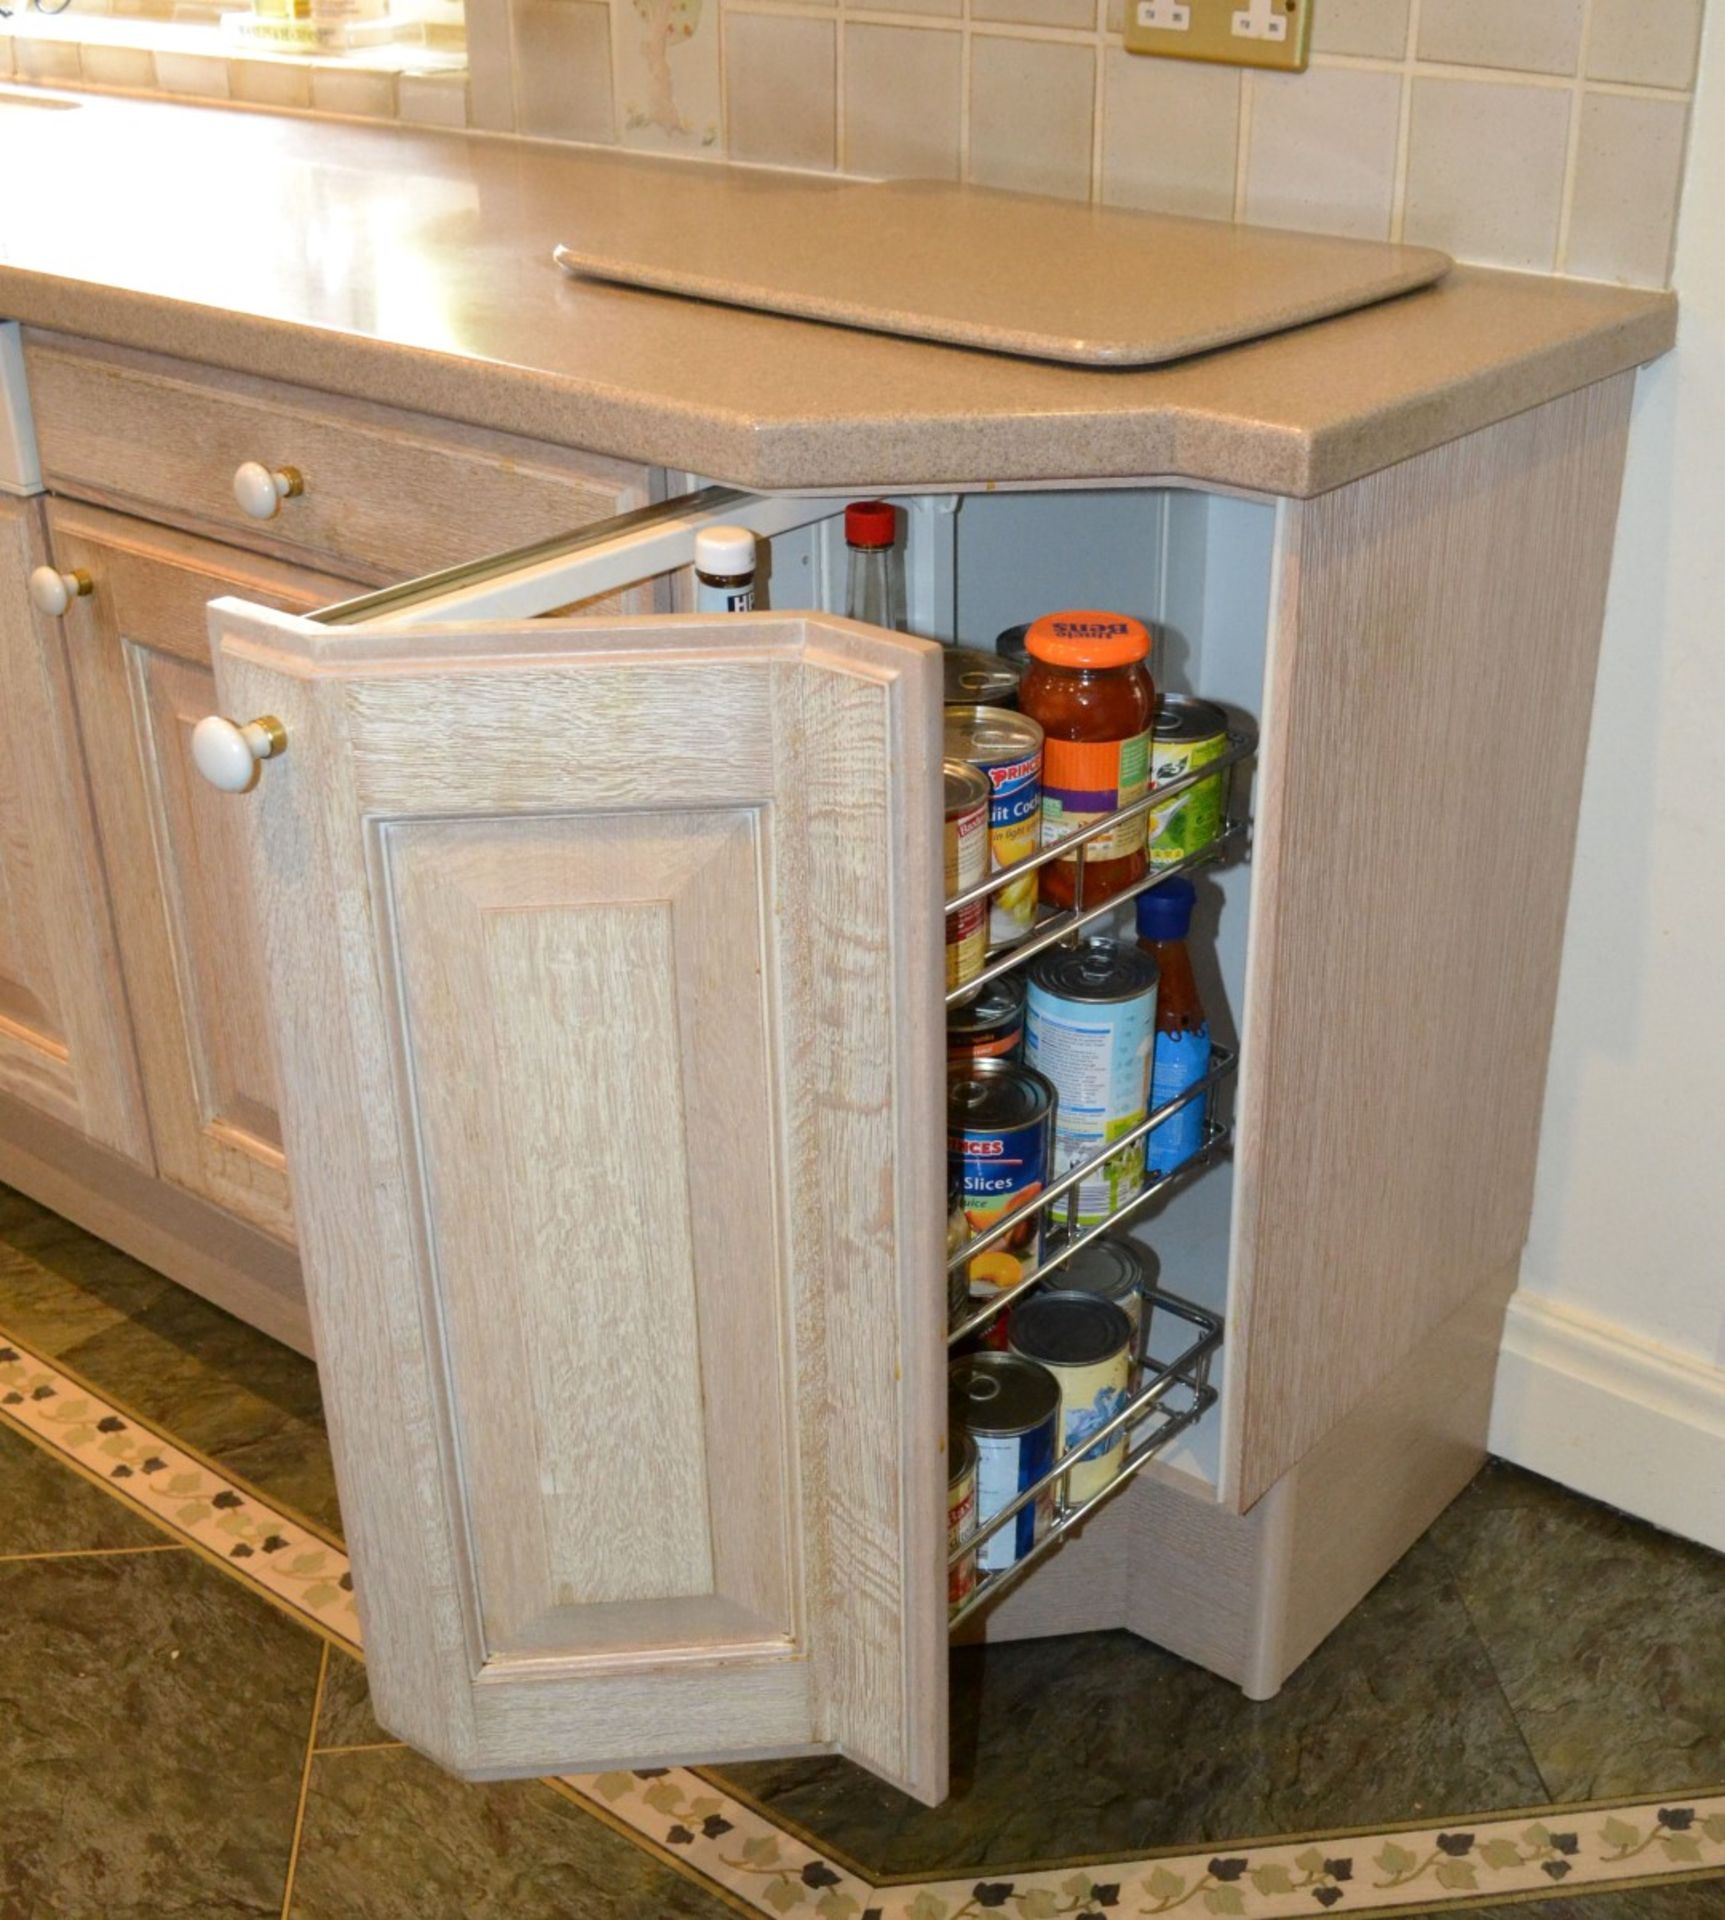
(870, 523)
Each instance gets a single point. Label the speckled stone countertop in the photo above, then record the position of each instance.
(415, 269)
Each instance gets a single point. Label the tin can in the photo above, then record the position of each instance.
(1000, 1136)
(1090, 1027)
(1011, 1410)
(957, 1232)
(990, 1027)
(960, 1516)
(967, 797)
(1009, 645)
(1115, 1269)
(1188, 734)
(1006, 748)
(1086, 1343)
(978, 679)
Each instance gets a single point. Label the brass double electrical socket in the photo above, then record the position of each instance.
(1234, 33)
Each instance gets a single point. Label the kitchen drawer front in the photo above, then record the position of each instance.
(384, 493)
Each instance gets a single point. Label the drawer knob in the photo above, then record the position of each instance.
(52, 592)
(228, 755)
(260, 490)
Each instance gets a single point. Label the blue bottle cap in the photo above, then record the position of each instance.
(1165, 912)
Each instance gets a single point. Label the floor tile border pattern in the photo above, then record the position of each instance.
(738, 1851)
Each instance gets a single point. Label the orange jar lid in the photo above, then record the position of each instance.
(1087, 639)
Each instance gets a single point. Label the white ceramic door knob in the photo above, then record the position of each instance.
(228, 755)
(260, 490)
(52, 592)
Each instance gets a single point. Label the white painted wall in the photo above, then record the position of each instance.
(1613, 1377)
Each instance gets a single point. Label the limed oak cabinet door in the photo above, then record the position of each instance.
(138, 645)
(603, 960)
(65, 1040)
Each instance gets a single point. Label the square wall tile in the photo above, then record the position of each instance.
(943, 9)
(563, 69)
(1533, 36)
(903, 95)
(1378, 28)
(1628, 179)
(1650, 42)
(1323, 150)
(781, 89)
(1485, 170)
(200, 76)
(1032, 115)
(47, 59)
(440, 99)
(1078, 14)
(365, 96)
(270, 83)
(1170, 135)
(106, 66)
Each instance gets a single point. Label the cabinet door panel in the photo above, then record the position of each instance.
(65, 1040)
(605, 961)
(139, 648)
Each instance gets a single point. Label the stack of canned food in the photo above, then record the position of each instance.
(1048, 1066)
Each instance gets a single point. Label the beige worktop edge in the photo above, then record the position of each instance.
(1177, 442)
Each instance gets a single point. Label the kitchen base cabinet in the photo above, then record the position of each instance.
(65, 1041)
(603, 967)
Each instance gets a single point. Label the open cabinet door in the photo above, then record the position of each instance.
(605, 973)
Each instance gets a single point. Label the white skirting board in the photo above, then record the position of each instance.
(1614, 1415)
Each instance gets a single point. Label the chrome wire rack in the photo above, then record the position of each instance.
(1169, 1396)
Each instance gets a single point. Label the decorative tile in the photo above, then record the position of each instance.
(1485, 170)
(1628, 177)
(302, 1571)
(563, 69)
(1531, 36)
(152, 1743)
(781, 89)
(665, 56)
(1032, 106)
(1323, 150)
(1377, 28)
(902, 94)
(1170, 135)
(1652, 43)
(44, 1508)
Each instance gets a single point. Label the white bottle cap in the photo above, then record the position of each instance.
(725, 552)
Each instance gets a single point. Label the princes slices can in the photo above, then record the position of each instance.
(960, 1517)
(999, 1139)
(1007, 749)
(967, 796)
(1188, 734)
(990, 1027)
(1090, 1027)
(1086, 1343)
(1011, 1409)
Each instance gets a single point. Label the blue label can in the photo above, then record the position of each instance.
(1011, 1409)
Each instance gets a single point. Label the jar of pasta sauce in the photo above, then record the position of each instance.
(1089, 690)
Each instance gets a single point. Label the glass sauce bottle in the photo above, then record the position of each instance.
(1088, 688)
(1182, 1043)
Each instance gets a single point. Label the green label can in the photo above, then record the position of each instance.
(1188, 734)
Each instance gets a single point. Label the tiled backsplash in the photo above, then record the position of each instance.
(1543, 134)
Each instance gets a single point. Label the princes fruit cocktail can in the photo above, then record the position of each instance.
(1090, 1027)
(967, 794)
(1011, 1409)
(1188, 734)
(1086, 1343)
(999, 1138)
(1006, 749)
(960, 1517)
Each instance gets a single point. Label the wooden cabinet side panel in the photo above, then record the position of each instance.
(1431, 684)
(65, 1033)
